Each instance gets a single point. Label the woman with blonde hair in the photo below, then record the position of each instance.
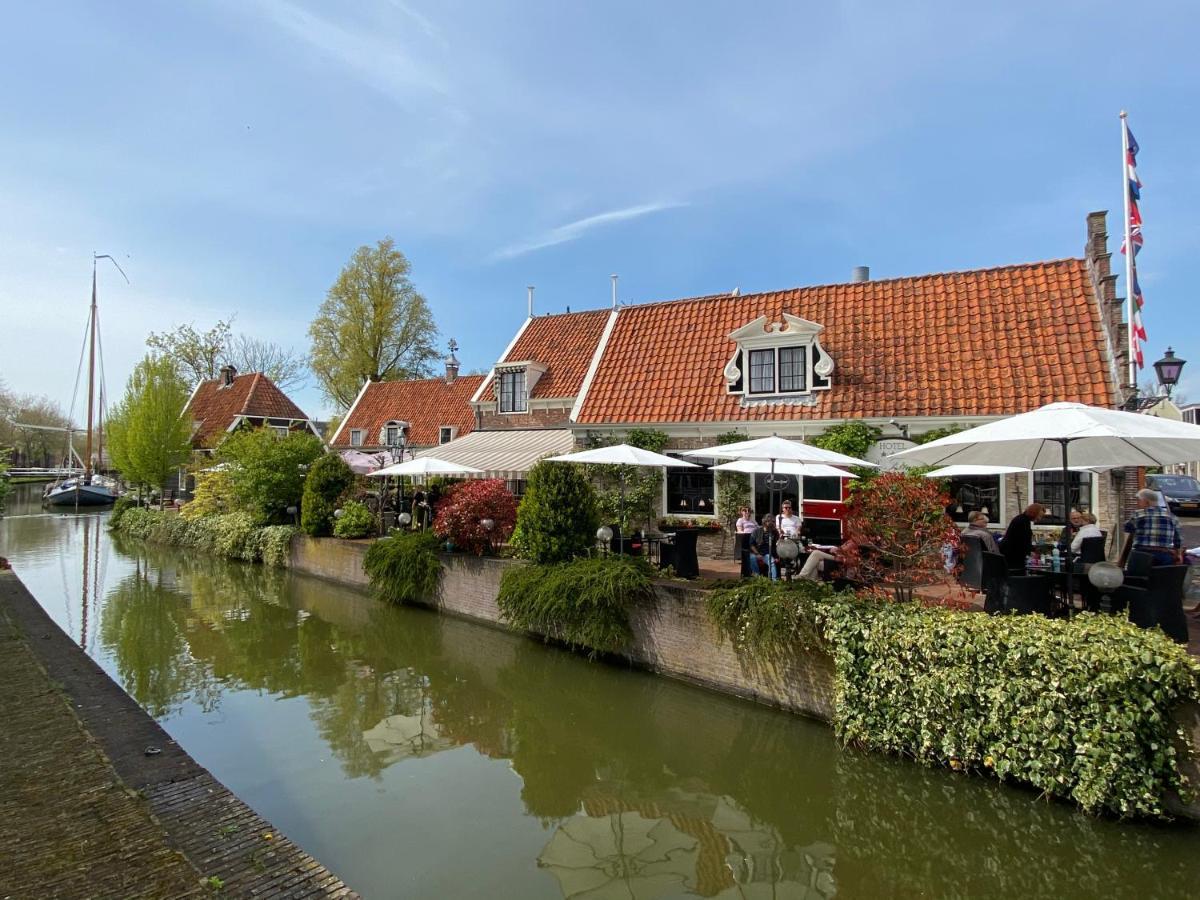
(1088, 529)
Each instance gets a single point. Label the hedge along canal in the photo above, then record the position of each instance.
(424, 756)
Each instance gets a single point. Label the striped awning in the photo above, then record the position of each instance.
(504, 454)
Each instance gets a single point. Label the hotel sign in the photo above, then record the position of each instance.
(879, 451)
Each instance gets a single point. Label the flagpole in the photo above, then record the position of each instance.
(1129, 298)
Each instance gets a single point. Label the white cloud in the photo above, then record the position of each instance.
(577, 229)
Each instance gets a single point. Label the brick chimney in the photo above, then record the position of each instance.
(228, 373)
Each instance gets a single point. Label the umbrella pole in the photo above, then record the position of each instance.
(1070, 557)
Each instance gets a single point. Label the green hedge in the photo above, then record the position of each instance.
(584, 602)
(356, 521)
(1079, 709)
(233, 535)
(404, 567)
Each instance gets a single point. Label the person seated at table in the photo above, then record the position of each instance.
(1017, 542)
(814, 566)
(1154, 530)
(977, 523)
(745, 523)
(1075, 521)
(787, 523)
(762, 548)
(1087, 529)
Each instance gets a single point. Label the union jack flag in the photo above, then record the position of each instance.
(1137, 331)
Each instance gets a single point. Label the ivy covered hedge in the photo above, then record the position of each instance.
(1078, 709)
(234, 535)
(585, 602)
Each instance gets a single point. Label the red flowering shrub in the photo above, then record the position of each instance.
(899, 527)
(465, 505)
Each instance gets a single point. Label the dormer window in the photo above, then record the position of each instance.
(514, 384)
(778, 359)
(357, 436)
(392, 433)
(512, 392)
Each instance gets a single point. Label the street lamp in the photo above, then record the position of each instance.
(1167, 369)
(487, 525)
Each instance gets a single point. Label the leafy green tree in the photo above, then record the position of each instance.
(4, 485)
(328, 479)
(557, 518)
(148, 439)
(733, 488)
(850, 438)
(267, 472)
(372, 325)
(44, 445)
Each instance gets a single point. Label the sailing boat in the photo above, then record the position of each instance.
(87, 489)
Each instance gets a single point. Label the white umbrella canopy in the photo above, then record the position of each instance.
(1093, 437)
(427, 465)
(763, 467)
(779, 449)
(621, 455)
(966, 470)
(363, 463)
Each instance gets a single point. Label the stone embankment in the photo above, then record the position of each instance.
(96, 800)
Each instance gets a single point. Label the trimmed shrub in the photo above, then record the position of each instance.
(212, 497)
(1078, 709)
(584, 603)
(404, 567)
(356, 521)
(557, 518)
(466, 504)
(328, 479)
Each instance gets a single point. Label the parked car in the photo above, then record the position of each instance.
(1182, 492)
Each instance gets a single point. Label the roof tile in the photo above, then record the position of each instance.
(426, 404)
(214, 405)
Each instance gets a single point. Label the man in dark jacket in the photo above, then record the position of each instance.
(1017, 543)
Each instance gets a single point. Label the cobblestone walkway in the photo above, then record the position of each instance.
(68, 826)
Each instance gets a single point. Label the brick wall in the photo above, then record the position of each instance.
(672, 636)
(556, 417)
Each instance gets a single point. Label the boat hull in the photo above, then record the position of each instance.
(81, 495)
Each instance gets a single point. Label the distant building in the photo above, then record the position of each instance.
(221, 405)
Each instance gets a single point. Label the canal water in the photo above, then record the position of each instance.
(421, 756)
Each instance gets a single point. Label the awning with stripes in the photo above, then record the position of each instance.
(504, 454)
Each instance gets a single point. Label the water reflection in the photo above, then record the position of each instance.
(627, 785)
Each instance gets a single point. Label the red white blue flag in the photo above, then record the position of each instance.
(1133, 244)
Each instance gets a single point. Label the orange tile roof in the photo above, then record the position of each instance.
(214, 406)
(564, 344)
(426, 404)
(979, 343)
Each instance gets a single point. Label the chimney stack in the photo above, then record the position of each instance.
(452, 361)
(228, 373)
(860, 274)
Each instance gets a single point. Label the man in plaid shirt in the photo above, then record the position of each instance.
(1155, 530)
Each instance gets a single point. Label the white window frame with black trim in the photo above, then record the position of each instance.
(778, 359)
(694, 490)
(976, 493)
(1044, 488)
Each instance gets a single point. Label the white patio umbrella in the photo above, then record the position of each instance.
(966, 470)
(623, 455)
(775, 449)
(363, 463)
(426, 465)
(1058, 435)
(805, 470)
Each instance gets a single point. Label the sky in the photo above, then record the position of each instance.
(232, 154)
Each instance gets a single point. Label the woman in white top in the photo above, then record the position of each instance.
(1088, 530)
(745, 522)
(787, 522)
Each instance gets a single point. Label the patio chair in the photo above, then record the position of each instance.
(1160, 603)
(993, 575)
(1028, 594)
(1091, 550)
(972, 560)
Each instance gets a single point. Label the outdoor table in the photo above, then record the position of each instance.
(1059, 577)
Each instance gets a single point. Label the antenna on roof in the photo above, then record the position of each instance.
(530, 289)
(614, 283)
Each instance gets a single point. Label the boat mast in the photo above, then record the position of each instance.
(87, 456)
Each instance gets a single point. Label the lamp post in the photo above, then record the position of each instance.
(487, 525)
(395, 449)
(604, 536)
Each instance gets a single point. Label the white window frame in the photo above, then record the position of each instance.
(447, 433)
(358, 437)
(761, 335)
(776, 371)
(1093, 500)
(281, 431)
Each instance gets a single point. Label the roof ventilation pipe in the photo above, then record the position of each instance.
(614, 285)
(530, 289)
(860, 274)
